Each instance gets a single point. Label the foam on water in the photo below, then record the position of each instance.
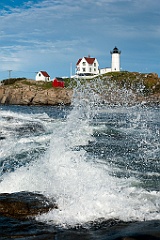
(83, 188)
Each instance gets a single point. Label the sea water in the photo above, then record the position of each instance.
(96, 160)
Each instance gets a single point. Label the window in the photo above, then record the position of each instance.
(39, 74)
(94, 64)
(84, 69)
(95, 69)
(84, 63)
(90, 69)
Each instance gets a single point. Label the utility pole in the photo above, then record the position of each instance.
(70, 69)
(9, 72)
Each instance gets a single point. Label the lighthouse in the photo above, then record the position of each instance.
(115, 64)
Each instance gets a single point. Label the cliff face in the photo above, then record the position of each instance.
(23, 94)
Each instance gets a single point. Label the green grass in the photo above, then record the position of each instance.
(134, 80)
(150, 83)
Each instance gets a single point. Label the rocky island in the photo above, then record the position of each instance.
(116, 87)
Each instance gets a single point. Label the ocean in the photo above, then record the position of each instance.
(100, 162)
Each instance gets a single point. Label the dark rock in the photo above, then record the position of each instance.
(140, 237)
(24, 204)
(12, 228)
(2, 138)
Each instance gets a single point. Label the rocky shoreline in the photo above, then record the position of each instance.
(30, 92)
(21, 93)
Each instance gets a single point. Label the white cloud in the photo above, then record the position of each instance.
(53, 32)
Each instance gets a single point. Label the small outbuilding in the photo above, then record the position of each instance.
(42, 76)
(58, 82)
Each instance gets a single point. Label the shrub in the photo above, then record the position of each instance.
(11, 80)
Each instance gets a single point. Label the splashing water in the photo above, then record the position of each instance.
(83, 183)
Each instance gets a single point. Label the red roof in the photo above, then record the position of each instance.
(79, 61)
(88, 59)
(45, 74)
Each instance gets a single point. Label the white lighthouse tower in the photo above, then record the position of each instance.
(115, 64)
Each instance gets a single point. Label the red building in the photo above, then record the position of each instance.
(58, 82)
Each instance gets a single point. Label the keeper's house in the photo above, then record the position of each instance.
(87, 66)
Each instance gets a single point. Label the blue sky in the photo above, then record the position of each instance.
(52, 35)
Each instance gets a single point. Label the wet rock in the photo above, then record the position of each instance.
(25, 204)
(140, 237)
(11, 228)
(114, 229)
(2, 138)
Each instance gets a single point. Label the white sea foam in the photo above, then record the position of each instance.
(83, 189)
